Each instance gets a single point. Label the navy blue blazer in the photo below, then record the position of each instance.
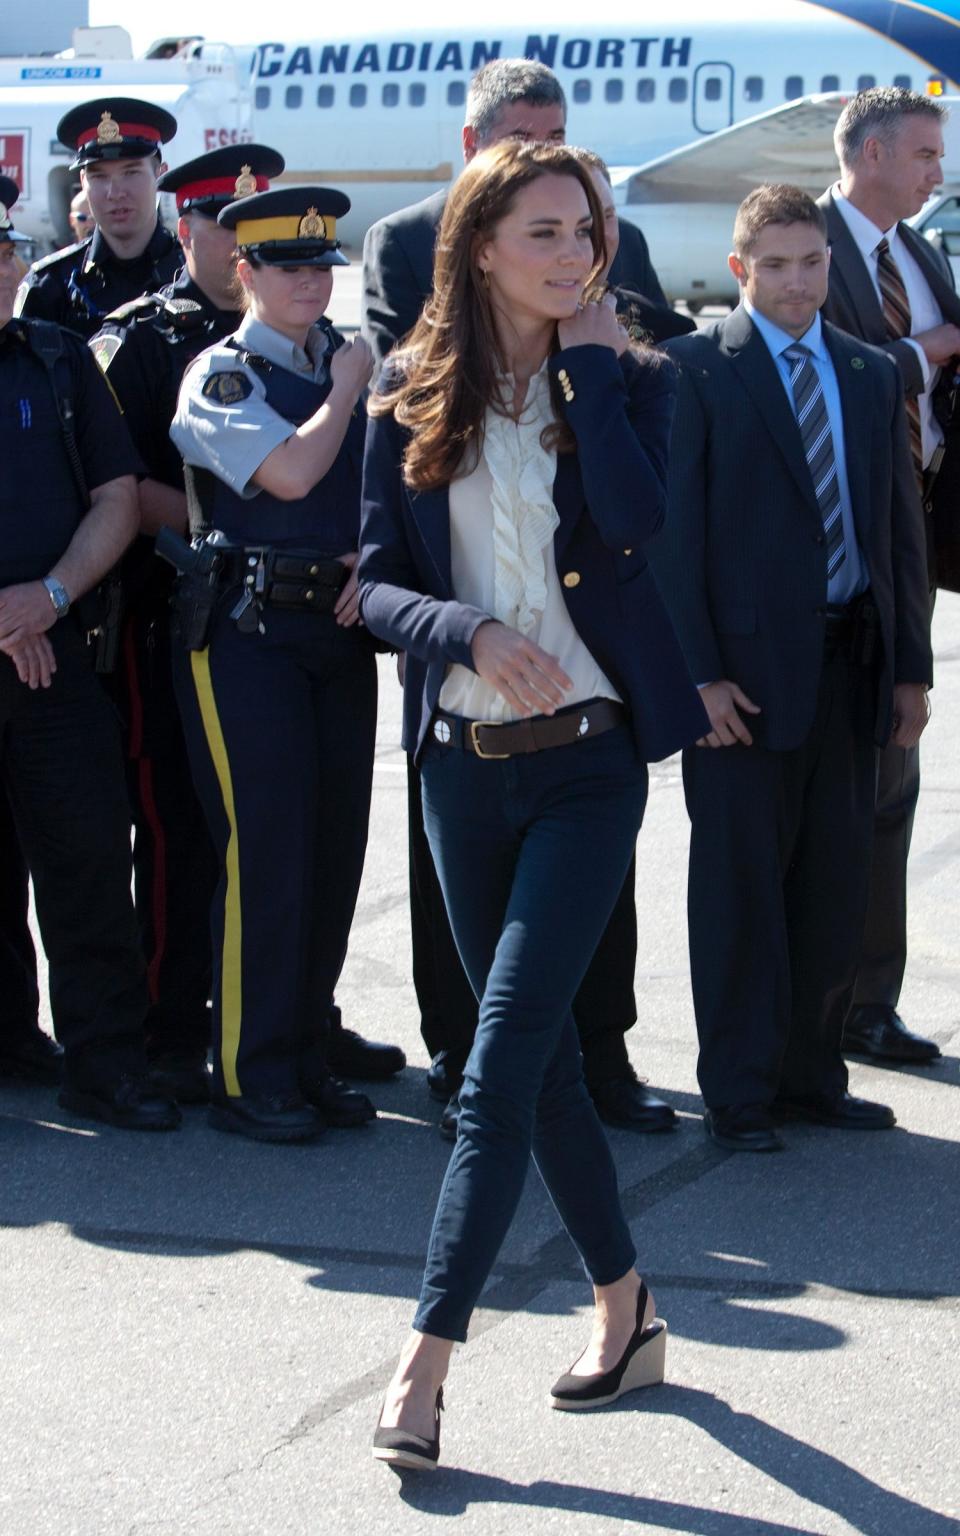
(610, 497)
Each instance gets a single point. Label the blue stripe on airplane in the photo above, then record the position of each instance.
(928, 29)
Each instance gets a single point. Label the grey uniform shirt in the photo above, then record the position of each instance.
(223, 422)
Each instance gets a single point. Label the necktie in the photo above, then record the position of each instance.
(814, 424)
(896, 313)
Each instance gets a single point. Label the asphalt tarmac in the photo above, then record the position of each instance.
(195, 1330)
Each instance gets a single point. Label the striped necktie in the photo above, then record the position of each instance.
(814, 424)
(899, 321)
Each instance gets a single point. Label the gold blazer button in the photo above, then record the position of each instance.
(572, 579)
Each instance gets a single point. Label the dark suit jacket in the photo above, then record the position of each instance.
(742, 560)
(852, 301)
(398, 270)
(610, 497)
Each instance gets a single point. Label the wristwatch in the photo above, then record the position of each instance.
(59, 596)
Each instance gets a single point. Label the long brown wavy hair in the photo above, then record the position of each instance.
(446, 374)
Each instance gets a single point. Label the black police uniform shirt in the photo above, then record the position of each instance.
(40, 504)
(145, 349)
(80, 286)
(242, 399)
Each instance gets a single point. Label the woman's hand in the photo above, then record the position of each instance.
(529, 678)
(595, 325)
(352, 365)
(346, 610)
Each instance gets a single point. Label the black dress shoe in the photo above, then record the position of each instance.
(626, 1102)
(640, 1365)
(181, 1076)
(340, 1105)
(444, 1076)
(350, 1055)
(129, 1103)
(33, 1057)
(267, 1117)
(450, 1119)
(877, 1030)
(743, 1128)
(411, 1452)
(845, 1112)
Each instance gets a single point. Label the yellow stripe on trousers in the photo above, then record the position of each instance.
(231, 983)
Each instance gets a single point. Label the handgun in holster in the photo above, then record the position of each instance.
(199, 583)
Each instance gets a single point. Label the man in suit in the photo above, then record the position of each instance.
(793, 568)
(890, 287)
(523, 99)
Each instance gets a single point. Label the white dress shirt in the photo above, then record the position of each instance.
(925, 312)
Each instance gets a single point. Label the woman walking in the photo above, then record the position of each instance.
(515, 465)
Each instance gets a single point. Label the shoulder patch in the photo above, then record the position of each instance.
(105, 349)
(227, 388)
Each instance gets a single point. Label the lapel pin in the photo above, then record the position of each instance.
(857, 362)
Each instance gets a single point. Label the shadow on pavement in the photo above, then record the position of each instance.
(812, 1474)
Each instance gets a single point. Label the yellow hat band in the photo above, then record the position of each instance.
(292, 226)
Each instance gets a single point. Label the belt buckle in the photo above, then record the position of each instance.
(487, 757)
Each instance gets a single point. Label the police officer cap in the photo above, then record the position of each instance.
(291, 227)
(214, 181)
(115, 128)
(9, 192)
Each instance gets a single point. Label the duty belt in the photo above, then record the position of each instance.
(283, 578)
(502, 739)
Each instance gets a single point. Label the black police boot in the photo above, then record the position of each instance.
(129, 1102)
(339, 1104)
(626, 1102)
(350, 1055)
(266, 1117)
(445, 1076)
(181, 1075)
(33, 1057)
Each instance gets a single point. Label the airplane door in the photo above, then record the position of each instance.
(712, 97)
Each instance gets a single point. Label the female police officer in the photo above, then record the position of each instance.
(280, 701)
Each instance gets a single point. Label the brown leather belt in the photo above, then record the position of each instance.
(490, 739)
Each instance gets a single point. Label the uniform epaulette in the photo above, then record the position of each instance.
(125, 312)
(57, 256)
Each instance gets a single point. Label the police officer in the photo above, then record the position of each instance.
(280, 693)
(25, 1050)
(68, 508)
(144, 348)
(117, 142)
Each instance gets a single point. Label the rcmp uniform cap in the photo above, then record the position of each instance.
(115, 128)
(9, 192)
(214, 181)
(290, 227)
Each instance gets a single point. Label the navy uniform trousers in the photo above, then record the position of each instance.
(61, 768)
(280, 728)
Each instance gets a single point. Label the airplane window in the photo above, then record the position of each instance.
(358, 95)
(293, 96)
(792, 87)
(390, 95)
(866, 82)
(646, 90)
(416, 93)
(261, 98)
(753, 88)
(613, 90)
(324, 95)
(712, 88)
(677, 89)
(905, 82)
(830, 83)
(581, 90)
(456, 93)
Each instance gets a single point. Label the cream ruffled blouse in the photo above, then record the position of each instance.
(502, 522)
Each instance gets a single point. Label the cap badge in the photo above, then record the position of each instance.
(4, 217)
(246, 183)
(312, 226)
(108, 131)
